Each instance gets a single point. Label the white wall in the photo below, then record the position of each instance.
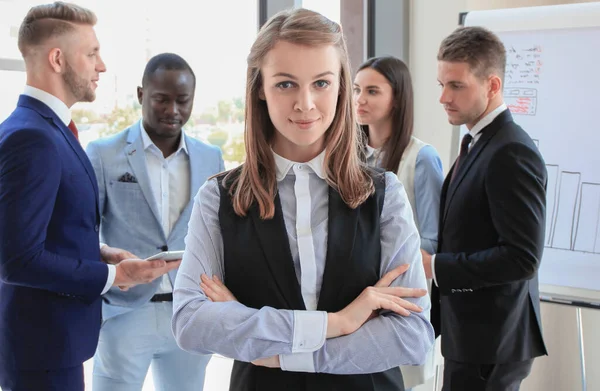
(431, 21)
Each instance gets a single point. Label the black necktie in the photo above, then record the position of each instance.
(464, 150)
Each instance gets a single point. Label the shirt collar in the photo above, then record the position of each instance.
(147, 142)
(485, 121)
(284, 165)
(370, 151)
(58, 106)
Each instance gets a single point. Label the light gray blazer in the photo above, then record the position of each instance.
(130, 219)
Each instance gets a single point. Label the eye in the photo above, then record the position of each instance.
(356, 90)
(373, 92)
(284, 85)
(322, 83)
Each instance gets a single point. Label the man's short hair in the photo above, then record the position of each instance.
(168, 62)
(477, 46)
(47, 21)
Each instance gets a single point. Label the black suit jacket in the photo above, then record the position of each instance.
(491, 237)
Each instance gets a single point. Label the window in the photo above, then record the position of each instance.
(328, 8)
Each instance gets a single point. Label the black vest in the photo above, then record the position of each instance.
(259, 271)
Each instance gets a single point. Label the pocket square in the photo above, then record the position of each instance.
(127, 178)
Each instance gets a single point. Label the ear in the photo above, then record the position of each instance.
(140, 94)
(261, 93)
(56, 59)
(495, 86)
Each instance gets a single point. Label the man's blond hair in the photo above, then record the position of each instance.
(47, 21)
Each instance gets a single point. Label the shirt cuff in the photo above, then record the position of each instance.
(433, 270)
(112, 273)
(310, 331)
(102, 245)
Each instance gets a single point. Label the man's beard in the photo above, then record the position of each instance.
(78, 86)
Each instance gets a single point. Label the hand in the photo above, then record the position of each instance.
(215, 290)
(270, 362)
(131, 272)
(427, 264)
(114, 255)
(375, 298)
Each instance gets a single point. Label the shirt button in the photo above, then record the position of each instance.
(165, 194)
(96, 228)
(165, 165)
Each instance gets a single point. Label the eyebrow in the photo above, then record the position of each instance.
(283, 74)
(366, 87)
(452, 82)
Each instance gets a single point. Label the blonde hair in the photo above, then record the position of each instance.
(255, 180)
(47, 21)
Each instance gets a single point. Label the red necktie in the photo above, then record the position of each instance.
(74, 129)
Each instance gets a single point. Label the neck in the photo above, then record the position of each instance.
(296, 153)
(492, 105)
(167, 146)
(50, 85)
(379, 134)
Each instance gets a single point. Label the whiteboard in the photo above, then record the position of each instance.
(552, 87)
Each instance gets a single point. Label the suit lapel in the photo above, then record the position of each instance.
(78, 149)
(341, 233)
(47, 113)
(275, 244)
(487, 133)
(137, 160)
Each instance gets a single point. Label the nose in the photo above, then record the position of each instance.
(304, 100)
(445, 96)
(172, 108)
(360, 98)
(100, 66)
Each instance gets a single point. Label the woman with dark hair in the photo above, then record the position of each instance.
(384, 106)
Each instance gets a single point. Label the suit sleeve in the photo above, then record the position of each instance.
(516, 189)
(30, 175)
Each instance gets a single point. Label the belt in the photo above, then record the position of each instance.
(159, 297)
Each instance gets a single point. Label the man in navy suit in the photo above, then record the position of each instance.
(148, 175)
(52, 271)
(485, 300)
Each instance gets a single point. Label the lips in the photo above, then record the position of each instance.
(170, 121)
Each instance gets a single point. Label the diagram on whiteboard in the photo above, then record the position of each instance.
(572, 212)
(521, 100)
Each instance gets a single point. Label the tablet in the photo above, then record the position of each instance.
(167, 256)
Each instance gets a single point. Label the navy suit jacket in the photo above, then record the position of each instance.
(51, 275)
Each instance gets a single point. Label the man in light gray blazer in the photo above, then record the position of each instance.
(148, 175)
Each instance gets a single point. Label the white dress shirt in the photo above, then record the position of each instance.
(475, 132)
(170, 184)
(63, 112)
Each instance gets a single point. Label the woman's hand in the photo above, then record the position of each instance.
(215, 290)
(366, 306)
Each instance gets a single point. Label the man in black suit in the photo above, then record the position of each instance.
(485, 300)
